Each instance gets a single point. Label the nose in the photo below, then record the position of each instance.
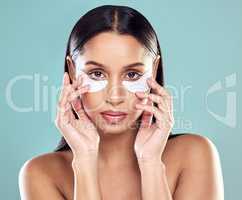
(115, 94)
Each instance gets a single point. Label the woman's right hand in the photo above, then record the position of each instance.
(80, 134)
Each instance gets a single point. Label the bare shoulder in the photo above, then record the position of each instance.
(188, 142)
(191, 144)
(190, 149)
(199, 165)
(42, 170)
(194, 147)
(45, 164)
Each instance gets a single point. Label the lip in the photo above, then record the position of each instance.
(113, 113)
(113, 116)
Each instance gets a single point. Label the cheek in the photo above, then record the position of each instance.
(93, 102)
(130, 102)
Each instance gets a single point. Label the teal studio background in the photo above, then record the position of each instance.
(201, 42)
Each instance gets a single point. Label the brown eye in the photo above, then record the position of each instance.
(96, 75)
(133, 75)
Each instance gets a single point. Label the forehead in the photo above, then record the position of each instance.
(112, 48)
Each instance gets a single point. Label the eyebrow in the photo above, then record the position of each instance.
(90, 62)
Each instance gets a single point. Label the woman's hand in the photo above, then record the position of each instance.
(151, 138)
(80, 134)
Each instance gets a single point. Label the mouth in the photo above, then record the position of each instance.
(113, 117)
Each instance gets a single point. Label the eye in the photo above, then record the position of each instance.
(96, 75)
(132, 75)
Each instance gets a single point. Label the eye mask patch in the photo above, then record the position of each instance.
(95, 85)
(139, 85)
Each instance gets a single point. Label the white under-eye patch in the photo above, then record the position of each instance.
(139, 85)
(95, 85)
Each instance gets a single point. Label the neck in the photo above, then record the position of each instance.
(117, 149)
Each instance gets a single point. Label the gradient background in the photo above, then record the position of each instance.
(201, 42)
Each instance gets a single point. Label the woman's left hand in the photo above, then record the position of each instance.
(152, 137)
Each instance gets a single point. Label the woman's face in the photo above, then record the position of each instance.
(112, 57)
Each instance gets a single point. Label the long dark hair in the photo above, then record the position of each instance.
(112, 18)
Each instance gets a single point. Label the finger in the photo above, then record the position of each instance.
(65, 91)
(152, 109)
(78, 93)
(66, 79)
(157, 88)
(154, 97)
(70, 134)
(64, 113)
(78, 82)
(159, 137)
(78, 108)
(146, 119)
(64, 96)
(63, 109)
(71, 115)
(78, 88)
(162, 103)
(77, 103)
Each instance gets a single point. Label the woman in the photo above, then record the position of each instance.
(116, 117)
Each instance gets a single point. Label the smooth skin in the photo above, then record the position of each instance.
(121, 161)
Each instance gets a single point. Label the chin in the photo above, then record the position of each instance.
(108, 131)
